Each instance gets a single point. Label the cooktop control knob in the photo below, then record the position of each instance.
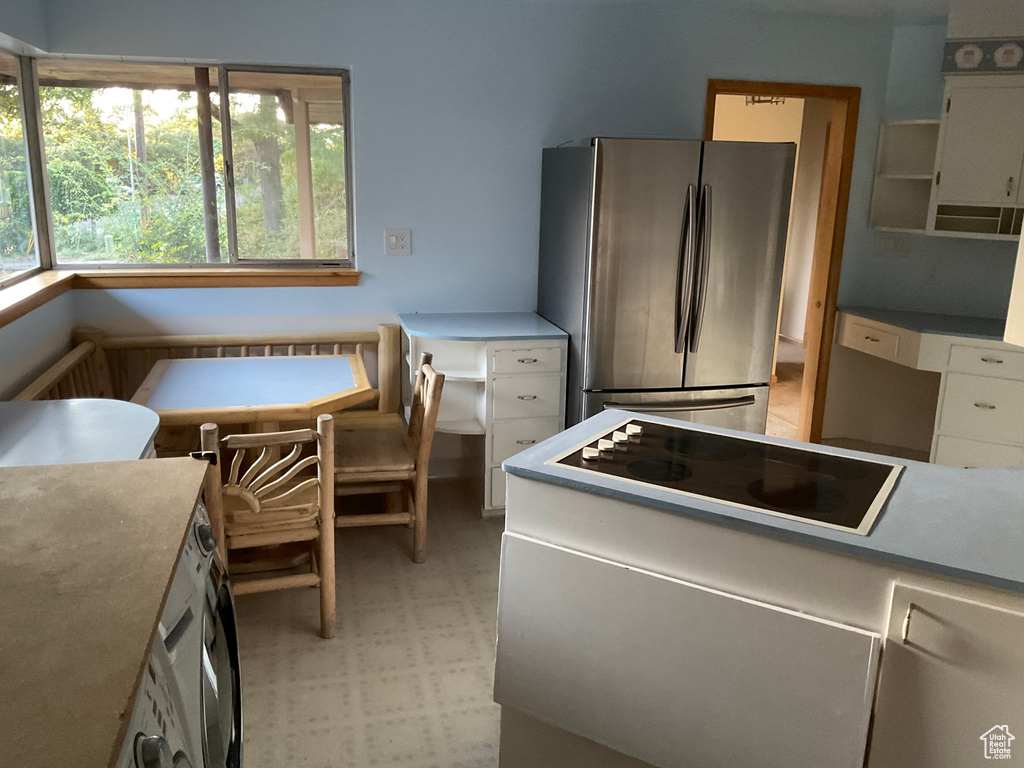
(621, 440)
(604, 445)
(634, 430)
(152, 752)
(591, 454)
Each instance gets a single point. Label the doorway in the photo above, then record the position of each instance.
(822, 121)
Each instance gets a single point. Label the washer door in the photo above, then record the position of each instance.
(221, 681)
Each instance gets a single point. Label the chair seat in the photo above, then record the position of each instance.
(301, 511)
(373, 454)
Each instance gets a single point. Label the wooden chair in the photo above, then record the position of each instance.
(394, 462)
(270, 500)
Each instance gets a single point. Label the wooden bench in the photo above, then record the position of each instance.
(82, 372)
(115, 366)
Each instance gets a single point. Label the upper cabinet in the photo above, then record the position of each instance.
(977, 188)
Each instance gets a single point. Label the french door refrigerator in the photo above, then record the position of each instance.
(662, 260)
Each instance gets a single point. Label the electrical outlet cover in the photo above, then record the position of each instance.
(398, 242)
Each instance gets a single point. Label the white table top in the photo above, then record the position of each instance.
(479, 326)
(251, 388)
(74, 431)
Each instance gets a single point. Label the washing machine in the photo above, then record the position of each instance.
(188, 709)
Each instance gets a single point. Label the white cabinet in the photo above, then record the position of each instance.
(674, 673)
(511, 391)
(950, 673)
(977, 186)
(979, 418)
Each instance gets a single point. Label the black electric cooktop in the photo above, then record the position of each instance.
(824, 489)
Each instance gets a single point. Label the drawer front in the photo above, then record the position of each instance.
(983, 408)
(525, 396)
(511, 437)
(986, 362)
(497, 488)
(865, 338)
(541, 360)
(971, 454)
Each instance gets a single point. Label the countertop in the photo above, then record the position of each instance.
(72, 431)
(87, 552)
(967, 524)
(989, 328)
(480, 326)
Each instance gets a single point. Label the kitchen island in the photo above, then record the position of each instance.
(642, 626)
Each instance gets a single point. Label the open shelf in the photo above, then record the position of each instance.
(460, 427)
(903, 176)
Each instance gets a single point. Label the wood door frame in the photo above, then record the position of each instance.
(833, 204)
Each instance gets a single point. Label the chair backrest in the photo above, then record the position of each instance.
(261, 477)
(426, 402)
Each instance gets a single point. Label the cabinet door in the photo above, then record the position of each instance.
(948, 676)
(982, 146)
(677, 674)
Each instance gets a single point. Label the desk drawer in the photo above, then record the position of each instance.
(526, 396)
(970, 454)
(511, 437)
(539, 360)
(986, 362)
(867, 338)
(983, 408)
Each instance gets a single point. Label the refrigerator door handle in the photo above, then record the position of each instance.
(704, 267)
(690, 405)
(687, 254)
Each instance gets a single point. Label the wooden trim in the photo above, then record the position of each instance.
(214, 277)
(833, 206)
(19, 298)
(207, 341)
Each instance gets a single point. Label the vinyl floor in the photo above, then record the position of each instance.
(406, 682)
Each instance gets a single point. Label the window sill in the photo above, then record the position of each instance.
(22, 297)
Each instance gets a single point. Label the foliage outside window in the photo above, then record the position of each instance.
(18, 249)
(134, 179)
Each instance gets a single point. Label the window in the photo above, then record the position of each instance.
(137, 172)
(18, 248)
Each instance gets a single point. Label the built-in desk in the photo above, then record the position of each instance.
(504, 379)
(979, 413)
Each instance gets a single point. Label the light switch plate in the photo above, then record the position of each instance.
(398, 242)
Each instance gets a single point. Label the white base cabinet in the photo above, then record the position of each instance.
(632, 637)
(510, 391)
(979, 421)
(674, 673)
(953, 669)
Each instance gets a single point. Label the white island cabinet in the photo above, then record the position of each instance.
(640, 627)
(504, 379)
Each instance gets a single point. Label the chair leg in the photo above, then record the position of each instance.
(419, 534)
(328, 607)
(394, 502)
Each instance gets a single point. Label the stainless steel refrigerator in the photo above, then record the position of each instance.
(663, 260)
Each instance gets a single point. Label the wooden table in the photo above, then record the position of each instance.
(253, 390)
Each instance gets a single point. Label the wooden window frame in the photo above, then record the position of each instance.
(201, 274)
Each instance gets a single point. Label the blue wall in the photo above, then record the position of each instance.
(938, 274)
(452, 103)
(25, 21)
(34, 342)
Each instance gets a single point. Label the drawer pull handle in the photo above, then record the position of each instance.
(985, 406)
(525, 442)
(991, 360)
(527, 397)
(873, 338)
(527, 360)
(906, 624)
